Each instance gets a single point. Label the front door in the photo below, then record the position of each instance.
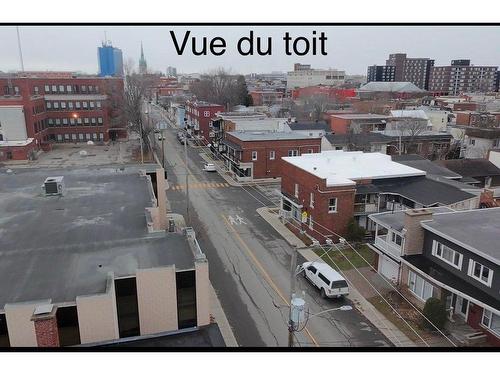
(462, 307)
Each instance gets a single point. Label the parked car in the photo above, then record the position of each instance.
(180, 135)
(326, 279)
(161, 137)
(209, 167)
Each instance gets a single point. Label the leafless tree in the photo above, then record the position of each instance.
(316, 105)
(410, 129)
(221, 87)
(133, 104)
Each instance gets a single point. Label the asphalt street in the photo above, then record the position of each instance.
(250, 262)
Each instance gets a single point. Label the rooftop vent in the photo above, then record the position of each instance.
(53, 186)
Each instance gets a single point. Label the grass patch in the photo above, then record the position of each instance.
(408, 313)
(353, 257)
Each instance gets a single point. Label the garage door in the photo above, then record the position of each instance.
(388, 268)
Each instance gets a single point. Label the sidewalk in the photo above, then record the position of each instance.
(388, 329)
(220, 318)
(359, 291)
(275, 222)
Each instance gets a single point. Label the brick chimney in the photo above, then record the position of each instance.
(414, 236)
(45, 321)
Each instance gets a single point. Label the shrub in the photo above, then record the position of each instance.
(435, 311)
(355, 233)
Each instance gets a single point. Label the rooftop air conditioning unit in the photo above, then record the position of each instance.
(53, 186)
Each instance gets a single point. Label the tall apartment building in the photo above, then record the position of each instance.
(110, 60)
(40, 108)
(460, 77)
(305, 76)
(405, 69)
(381, 73)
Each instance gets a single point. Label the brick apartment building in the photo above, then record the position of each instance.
(357, 123)
(255, 155)
(323, 192)
(266, 97)
(400, 68)
(461, 77)
(59, 107)
(199, 115)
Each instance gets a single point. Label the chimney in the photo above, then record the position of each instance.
(414, 233)
(45, 321)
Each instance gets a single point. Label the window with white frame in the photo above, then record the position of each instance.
(447, 255)
(70, 105)
(254, 155)
(63, 105)
(47, 88)
(206, 113)
(419, 286)
(293, 152)
(69, 88)
(272, 155)
(85, 105)
(296, 191)
(77, 105)
(396, 238)
(480, 272)
(99, 120)
(48, 105)
(98, 104)
(491, 321)
(311, 200)
(56, 105)
(332, 205)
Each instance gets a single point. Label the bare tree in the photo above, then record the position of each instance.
(316, 105)
(410, 129)
(221, 87)
(133, 105)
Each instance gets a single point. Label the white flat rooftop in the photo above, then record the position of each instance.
(19, 143)
(341, 168)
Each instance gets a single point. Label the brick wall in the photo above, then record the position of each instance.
(308, 183)
(47, 334)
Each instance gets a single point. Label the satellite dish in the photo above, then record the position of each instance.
(90, 143)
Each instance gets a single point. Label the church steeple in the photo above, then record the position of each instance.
(143, 66)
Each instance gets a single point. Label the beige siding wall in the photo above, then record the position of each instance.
(157, 299)
(202, 293)
(97, 316)
(21, 328)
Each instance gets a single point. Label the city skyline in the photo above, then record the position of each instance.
(347, 47)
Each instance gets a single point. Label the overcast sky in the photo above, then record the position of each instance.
(349, 48)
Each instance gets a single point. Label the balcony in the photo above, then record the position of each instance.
(386, 246)
(365, 208)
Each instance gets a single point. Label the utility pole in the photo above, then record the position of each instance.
(162, 149)
(293, 276)
(20, 50)
(187, 174)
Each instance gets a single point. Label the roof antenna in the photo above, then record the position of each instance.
(20, 50)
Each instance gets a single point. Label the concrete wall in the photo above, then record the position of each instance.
(478, 150)
(157, 299)
(494, 157)
(12, 123)
(97, 316)
(21, 328)
(202, 293)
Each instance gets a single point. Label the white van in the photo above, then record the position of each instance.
(326, 279)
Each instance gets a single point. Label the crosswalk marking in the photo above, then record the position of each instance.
(201, 185)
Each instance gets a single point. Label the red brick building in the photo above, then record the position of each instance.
(199, 116)
(357, 122)
(61, 107)
(330, 92)
(255, 155)
(321, 193)
(266, 97)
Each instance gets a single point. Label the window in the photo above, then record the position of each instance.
(447, 255)
(254, 155)
(127, 307)
(61, 88)
(272, 155)
(48, 105)
(84, 88)
(480, 272)
(85, 105)
(101, 136)
(324, 279)
(35, 90)
(332, 205)
(293, 152)
(77, 105)
(93, 120)
(70, 105)
(58, 121)
(311, 221)
(419, 286)
(186, 299)
(99, 120)
(4, 334)
(396, 238)
(92, 105)
(310, 151)
(68, 88)
(72, 121)
(491, 321)
(79, 120)
(54, 88)
(98, 104)
(63, 105)
(296, 190)
(65, 121)
(47, 88)
(51, 122)
(56, 105)
(206, 113)
(86, 120)
(311, 200)
(312, 269)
